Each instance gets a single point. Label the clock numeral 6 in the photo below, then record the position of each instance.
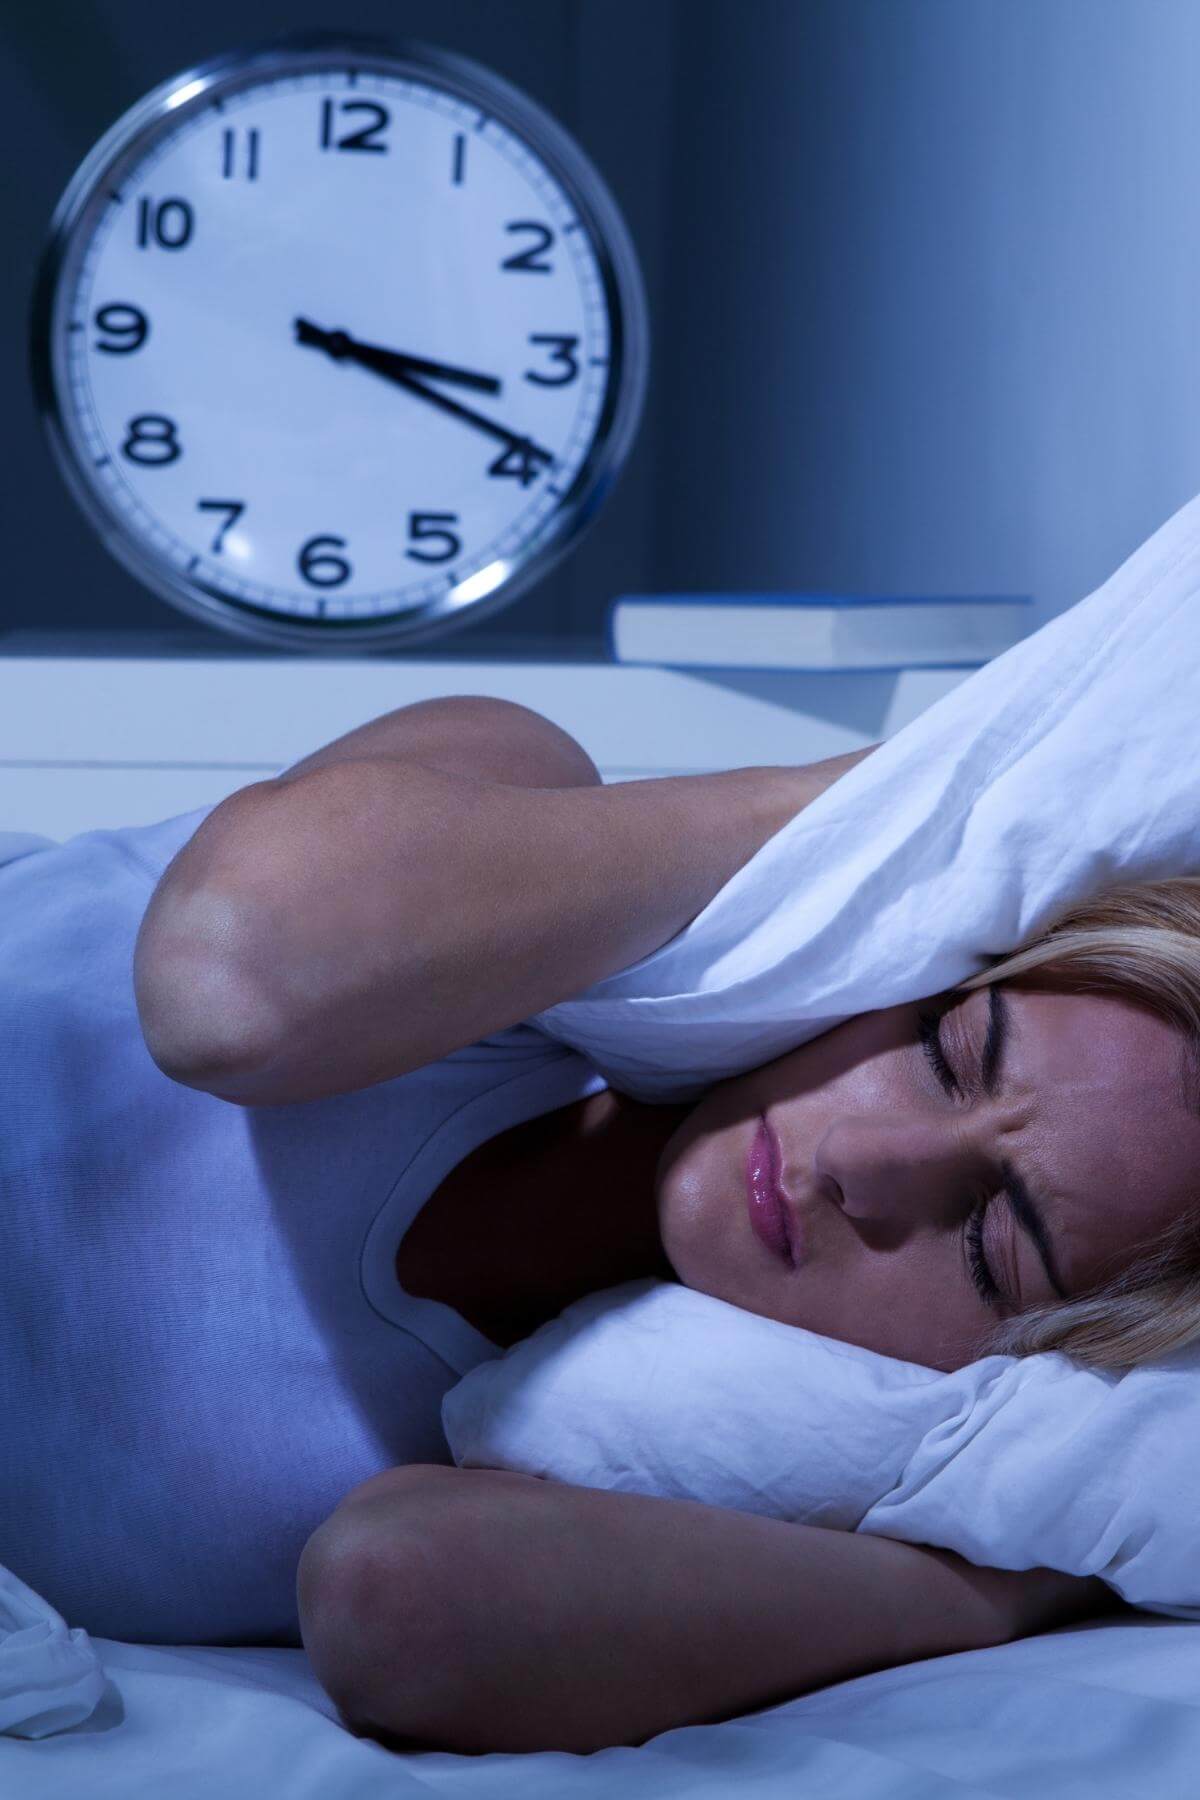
(321, 568)
(121, 321)
(169, 223)
(358, 140)
(564, 353)
(525, 260)
(152, 441)
(431, 525)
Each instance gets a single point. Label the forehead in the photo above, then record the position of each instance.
(1108, 1138)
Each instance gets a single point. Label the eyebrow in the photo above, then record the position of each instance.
(1021, 1203)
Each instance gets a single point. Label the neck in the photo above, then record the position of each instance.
(589, 1221)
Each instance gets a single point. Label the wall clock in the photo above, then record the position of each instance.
(340, 343)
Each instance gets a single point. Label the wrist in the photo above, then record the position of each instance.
(1001, 1605)
(788, 788)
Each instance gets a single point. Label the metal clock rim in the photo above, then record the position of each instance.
(123, 145)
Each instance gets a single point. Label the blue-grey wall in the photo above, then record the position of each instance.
(935, 279)
(924, 279)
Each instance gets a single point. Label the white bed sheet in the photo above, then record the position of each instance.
(1106, 1711)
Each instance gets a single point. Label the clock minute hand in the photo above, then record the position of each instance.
(392, 367)
(340, 345)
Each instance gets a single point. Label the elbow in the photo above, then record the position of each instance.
(201, 1020)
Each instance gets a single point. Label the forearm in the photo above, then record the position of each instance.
(387, 913)
(498, 1612)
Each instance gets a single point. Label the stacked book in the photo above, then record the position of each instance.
(815, 632)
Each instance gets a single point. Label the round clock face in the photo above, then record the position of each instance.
(339, 344)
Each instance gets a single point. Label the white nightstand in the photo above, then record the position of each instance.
(99, 741)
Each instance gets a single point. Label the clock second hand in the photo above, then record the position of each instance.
(397, 367)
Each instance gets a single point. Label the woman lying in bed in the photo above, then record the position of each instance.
(1005, 1167)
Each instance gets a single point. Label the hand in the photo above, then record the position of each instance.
(340, 344)
(395, 366)
(1034, 1600)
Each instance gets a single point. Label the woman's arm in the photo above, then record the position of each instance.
(375, 915)
(475, 1610)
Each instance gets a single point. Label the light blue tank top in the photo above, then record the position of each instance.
(203, 1341)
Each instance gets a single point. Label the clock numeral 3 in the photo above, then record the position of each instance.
(322, 568)
(525, 260)
(564, 353)
(121, 321)
(152, 441)
(360, 139)
(432, 525)
(168, 224)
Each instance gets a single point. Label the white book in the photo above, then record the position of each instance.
(814, 631)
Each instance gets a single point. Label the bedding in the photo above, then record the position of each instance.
(1051, 773)
(1096, 1712)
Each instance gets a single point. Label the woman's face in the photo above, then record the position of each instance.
(884, 1167)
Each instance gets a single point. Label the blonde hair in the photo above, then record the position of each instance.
(1140, 942)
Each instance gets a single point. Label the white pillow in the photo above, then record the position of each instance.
(1059, 768)
(1014, 1462)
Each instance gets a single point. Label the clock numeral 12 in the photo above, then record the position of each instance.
(358, 140)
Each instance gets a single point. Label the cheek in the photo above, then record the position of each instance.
(687, 1219)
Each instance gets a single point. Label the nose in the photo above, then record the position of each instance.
(901, 1171)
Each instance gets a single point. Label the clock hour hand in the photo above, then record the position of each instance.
(340, 344)
(397, 367)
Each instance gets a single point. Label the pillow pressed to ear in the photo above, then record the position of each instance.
(1050, 773)
(1012, 1462)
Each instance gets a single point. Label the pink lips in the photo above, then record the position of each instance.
(763, 1199)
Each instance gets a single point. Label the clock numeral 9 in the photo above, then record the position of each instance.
(122, 321)
(169, 223)
(322, 568)
(432, 525)
(358, 140)
(564, 353)
(152, 441)
(525, 260)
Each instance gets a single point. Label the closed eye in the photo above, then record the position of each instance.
(928, 1028)
(984, 1282)
(1027, 1210)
